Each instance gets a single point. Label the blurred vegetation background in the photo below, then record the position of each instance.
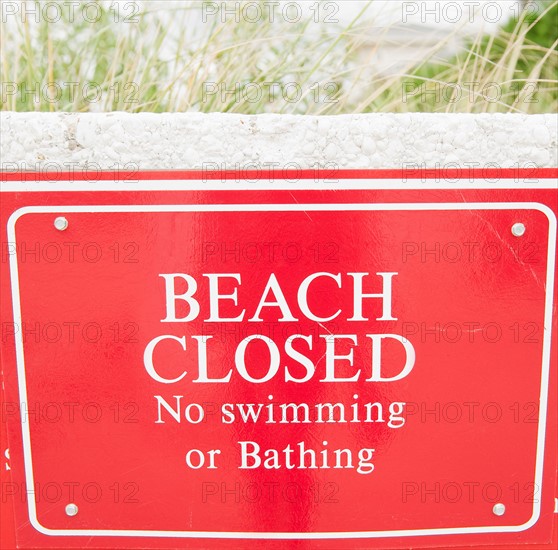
(75, 65)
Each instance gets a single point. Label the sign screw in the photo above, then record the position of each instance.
(499, 509)
(61, 223)
(518, 230)
(71, 509)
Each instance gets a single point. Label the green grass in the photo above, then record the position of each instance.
(132, 68)
(514, 71)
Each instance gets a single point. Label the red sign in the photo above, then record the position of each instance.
(371, 365)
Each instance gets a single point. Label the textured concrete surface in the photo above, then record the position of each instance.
(32, 141)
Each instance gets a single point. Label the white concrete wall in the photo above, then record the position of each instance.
(33, 141)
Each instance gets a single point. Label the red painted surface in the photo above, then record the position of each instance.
(468, 296)
(527, 175)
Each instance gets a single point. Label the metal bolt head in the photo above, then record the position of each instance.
(518, 230)
(61, 223)
(71, 509)
(499, 509)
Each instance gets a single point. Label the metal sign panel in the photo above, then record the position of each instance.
(369, 365)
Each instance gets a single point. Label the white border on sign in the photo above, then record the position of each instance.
(279, 183)
(541, 433)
